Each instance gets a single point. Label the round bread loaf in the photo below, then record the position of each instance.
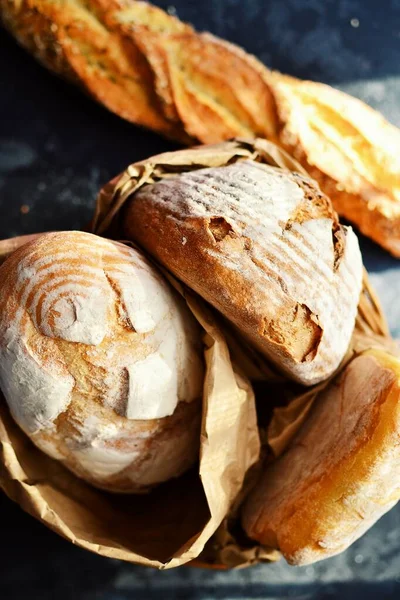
(265, 247)
(100, 360)
(341, 472)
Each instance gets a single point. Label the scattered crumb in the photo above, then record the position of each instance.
(171, 10)
(24, 209)
(184, 240)
(355, 23)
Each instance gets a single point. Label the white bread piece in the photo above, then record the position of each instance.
(341, 473)
(100, 360)
(264, 246)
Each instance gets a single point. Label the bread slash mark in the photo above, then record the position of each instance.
(285, 331)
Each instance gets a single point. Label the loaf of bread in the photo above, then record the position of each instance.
(147, 66)
(151, 69)
(341, 472)
(264, 246)
(100, 360)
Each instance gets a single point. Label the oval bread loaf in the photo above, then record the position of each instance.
(265, 247)
(341, 473)
(100, 360)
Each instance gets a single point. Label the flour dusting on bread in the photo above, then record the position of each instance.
(89, 330)
(265, 247)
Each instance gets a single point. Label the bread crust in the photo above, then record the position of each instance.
(153, 70)
(89, 44)
(100, 360)
(147, 66)
(264, 247)
(340, 473)
(349, 148)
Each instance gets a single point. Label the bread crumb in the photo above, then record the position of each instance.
(24, 209)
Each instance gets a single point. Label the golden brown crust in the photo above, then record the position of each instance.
(213, 88)
(349, 148)
(9, 246)
(151, 69)
(241, 237)
(86, 43)
(147, 66)
(340, 473)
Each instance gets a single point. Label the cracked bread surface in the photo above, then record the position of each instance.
(264, 246)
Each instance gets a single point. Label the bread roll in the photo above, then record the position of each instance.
(265, 247)
(342, 470)
(100, 360)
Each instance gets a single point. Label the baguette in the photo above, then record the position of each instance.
(147, 66)
(349, 148)
(88, 44)
(153, 70)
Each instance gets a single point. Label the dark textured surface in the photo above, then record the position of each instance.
(57, 148)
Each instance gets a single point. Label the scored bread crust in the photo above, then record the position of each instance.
(100, 360)
(92, 44)
(150, 68)
(340, 473)
(147, 66)
(264, 247)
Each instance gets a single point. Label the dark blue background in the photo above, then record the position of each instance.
(57, 148)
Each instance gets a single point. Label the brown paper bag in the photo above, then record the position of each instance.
(197, 514)
(228, 546)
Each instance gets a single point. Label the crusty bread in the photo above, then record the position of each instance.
(151, 69)
(100, 360)
(349, 148)
(264, 247)
(342, 471)
(90, 44)
(147, 66)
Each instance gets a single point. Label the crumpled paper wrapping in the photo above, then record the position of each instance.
(228, 546)
(197, 515)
